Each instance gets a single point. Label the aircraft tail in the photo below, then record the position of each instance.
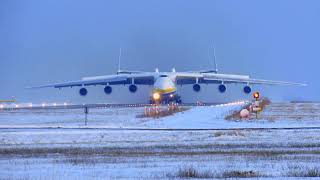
(119, 61)
(215, 65)
(121, 71)
(214, 60)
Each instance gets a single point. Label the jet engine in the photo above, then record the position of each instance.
(247, 89)
(133, 88)
(83, 91)
(222, 88)
(108, 90)
(196, 87)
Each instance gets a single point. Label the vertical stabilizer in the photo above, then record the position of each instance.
(214, 59)
(119, 61)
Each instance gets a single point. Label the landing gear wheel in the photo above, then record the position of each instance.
(178, 100)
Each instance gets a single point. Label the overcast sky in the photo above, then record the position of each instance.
(60, 40)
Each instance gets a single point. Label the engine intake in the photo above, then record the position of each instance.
(196, 87)
(247, 89)
(83, 91)
(108, 90)
(133, 88)
(222, 88)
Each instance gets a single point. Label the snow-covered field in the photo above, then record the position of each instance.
(76, 152)
(196, 117)
(283, 115)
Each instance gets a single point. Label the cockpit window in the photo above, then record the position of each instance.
(163, 76)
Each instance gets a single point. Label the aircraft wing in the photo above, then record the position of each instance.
(7, 101)
(121, 79)
(213, 78)
(250, 81)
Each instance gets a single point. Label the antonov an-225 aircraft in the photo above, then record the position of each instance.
(165, 83)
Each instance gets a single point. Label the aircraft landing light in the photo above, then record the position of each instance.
(156, 96)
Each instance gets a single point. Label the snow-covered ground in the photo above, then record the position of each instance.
(116, 117)
(84, 153)
(276, 115)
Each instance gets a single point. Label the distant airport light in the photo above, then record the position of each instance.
(1, 106)
(17, 106)
(156, 96)
(30, 105)
(65, 104)
(256, 95)
(54, 104)
(43, 105)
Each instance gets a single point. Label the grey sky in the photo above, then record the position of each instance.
(51, 41)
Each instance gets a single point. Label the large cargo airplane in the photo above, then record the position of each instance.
(165, 83)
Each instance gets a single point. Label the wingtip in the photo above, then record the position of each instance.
(302, 84)
(33, 87)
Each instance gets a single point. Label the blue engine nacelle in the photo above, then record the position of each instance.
(108, 90)
(196, 87)
(133, 88)
(247, 89)
(222, 88)
(83, 91)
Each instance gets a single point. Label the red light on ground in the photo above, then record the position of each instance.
(256, 95)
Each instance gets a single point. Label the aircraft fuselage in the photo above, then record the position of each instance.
(164, 90)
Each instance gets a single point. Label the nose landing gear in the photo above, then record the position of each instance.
(165, 99)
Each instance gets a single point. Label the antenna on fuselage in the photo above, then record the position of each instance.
(119, 61)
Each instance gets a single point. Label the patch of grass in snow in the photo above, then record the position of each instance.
(228, 133)
(264, 150)
(302, 171)
(191, 172)
(81, 161)
(240, 174)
